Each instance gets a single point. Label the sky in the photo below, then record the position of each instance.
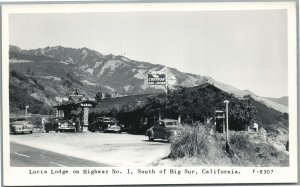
(246, 49)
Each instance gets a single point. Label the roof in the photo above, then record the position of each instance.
(19, 122)
(17, 118)
(76, 104)
(206, 85)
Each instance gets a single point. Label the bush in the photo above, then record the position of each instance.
(36, 119)
(239, 141)
(19, 75)
(192, 142)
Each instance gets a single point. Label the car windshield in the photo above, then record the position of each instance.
(171, 123)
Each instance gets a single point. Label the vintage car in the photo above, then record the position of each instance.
(51, 124)
(105, 124)
(164, 129)
(67, 125)
(61, 125)
(20, 126)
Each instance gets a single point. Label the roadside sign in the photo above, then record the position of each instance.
(156, 79)
(221, 116)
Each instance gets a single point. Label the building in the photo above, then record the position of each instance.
(76, 105)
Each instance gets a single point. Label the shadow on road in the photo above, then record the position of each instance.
(159, 141)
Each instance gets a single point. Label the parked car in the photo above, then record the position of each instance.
(67, 125)
(20, 125)
(164, 129)
(61, 125)
(105, 124)
(51, 124)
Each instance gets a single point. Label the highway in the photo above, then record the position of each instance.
(26, 156)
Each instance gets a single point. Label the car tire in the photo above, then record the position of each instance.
(150, 138)
(30, 132)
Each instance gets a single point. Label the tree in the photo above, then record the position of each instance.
(107, 96)
(28, 71)
(98, 97)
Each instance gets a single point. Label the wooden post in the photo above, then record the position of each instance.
(227, 138)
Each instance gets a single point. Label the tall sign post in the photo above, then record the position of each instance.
(227, 138)
(158, 78)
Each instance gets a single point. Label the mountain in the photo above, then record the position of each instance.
(48, 74)
(281, 100)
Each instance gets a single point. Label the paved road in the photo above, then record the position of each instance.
(26, 156)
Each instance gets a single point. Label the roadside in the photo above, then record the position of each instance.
(111, 149)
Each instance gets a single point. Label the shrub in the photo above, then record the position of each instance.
(36, 119)
(239, 141)
(192, 142)
(19, 75)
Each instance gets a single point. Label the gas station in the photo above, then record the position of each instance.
(77, 104)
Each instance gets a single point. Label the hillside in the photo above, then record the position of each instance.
(60, 70)
(282, 100)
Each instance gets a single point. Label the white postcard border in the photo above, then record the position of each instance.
(280, 175)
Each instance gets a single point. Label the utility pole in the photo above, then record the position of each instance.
(26, 107)
(227, 138)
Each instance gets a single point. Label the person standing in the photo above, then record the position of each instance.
(43, 124)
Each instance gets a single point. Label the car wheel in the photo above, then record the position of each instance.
(30, 132)
(93, 129)
(150, 138)
(47, 131)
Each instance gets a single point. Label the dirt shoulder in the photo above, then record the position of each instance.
(112, 149)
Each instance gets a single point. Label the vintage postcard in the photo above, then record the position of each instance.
(149, 93)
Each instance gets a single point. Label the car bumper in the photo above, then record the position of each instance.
(66, 128)
(22, 130)
(112, 130)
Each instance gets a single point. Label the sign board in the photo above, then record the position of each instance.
(86, 116)
(86, 105)
(156, 79)
(221, 116)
